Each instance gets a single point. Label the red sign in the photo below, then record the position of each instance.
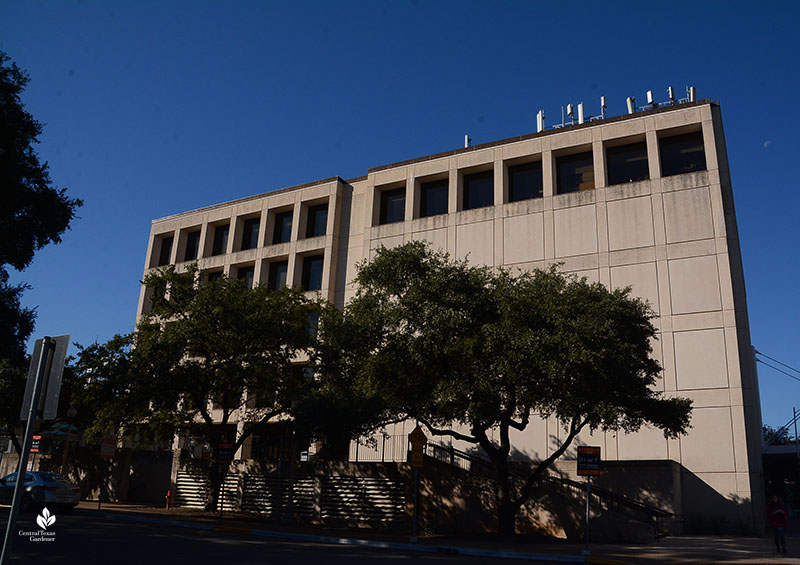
(35, 444)
(225, 453)
(588, 460)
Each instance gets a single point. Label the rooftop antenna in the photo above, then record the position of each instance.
(571, 113)
(692, 93)
(580, 112)
(671, 95)
(631, 102)
(650, 97)
(540, 121)
(467, 140)
(603, 107)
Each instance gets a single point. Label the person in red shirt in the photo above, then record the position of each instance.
(778, 520)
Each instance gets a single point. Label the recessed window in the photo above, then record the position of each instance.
(478, 190)
(525, 181)
(575, 173)
(282, 232)
(250, 232)
(312, 272)
(246, 274)
(317, 220)
(192, 246)
(682, 154)
(166, 251)
(277, 275)
(393, 205)
(433, 198)
(220, 243)
(627, 163)
(313, 324)
(214, 275)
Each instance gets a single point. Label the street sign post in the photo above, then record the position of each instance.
(589, 465)
(47, 365)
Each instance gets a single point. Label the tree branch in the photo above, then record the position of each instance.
(451, 433)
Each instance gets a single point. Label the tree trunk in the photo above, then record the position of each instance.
(506, 508)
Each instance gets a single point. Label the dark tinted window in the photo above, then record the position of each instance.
(682, 154)
(246, 274)
(393, 205)
(433, 198)
(214, 275)
(317, 221)
(250, 233)
(192, 246)
(283, 227)
(277, 274)
(220, 244)
(312, 272)
(525, 181)
(627, 163)
(575, 172)
(166, 251)
(478, 190)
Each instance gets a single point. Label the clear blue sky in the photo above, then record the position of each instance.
(154, 108)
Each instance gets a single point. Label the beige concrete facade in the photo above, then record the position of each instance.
(673, 239)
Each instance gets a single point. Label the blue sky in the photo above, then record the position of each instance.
(154, 108)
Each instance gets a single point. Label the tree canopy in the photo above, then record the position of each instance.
(221, 343)
(33, 213)
(468, 351)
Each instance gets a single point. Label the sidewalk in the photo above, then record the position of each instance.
(679, 550)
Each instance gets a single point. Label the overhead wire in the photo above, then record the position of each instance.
(776, 361)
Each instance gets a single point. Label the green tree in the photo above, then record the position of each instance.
(468, 352)
(33, 213)
(207, 344)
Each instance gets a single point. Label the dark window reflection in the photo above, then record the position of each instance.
(682, 154)
(393, 205)
(627, 163)
(574, 173)
(478, 190)
(525, 181)
(433, 198)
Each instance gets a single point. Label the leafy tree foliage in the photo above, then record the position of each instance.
(209, 344)
(473, 354)
(33, 213)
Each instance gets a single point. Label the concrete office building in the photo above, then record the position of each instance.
(641, 200)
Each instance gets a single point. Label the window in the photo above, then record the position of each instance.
(627, 163)
(478, 190)
(250, 233)
(282, 232)
(246, 274)
(317, 220)
(682, 154)
(192, 246)
(166, 251)
(313, 324)
(277, 275)
(575, 173)
(214, 275)
(312, 272)
(525, 181)
(220, 244)
(393, 205)
(433, 198)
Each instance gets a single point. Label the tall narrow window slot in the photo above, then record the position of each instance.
(192, 246)
(282, 232)
(393, 205)
(277, 275)
(312, 272)
(250, 231)
(220, 243)
(317, 220)
(247, 275)
(166, 251)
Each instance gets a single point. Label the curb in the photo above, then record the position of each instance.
(419, 548)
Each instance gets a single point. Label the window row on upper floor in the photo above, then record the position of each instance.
(312, 217)
(624, 162)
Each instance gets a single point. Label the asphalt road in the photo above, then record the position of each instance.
(85, 539)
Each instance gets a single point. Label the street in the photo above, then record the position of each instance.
(83, 538)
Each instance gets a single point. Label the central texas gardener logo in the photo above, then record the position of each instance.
(45, 519)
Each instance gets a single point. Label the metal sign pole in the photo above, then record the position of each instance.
(22, 470)
(588, 497)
